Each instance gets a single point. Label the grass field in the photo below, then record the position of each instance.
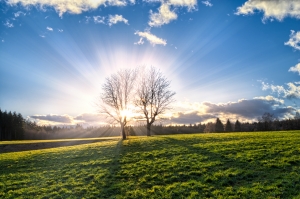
(228, 165)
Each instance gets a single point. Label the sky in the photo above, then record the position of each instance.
(228, 59)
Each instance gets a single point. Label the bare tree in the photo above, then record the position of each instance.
(117, 95)
(153, 96)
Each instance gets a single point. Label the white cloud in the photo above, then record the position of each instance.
(295, 69)
(191, 4)
(292, 90)
(70, 6)
(294, 40)
(207, 3)
(164, 16)
(49, 28)
(274, 88)
(60, 30)
(43, 36)
(99, 19)
(278, 9)
(113, 19)
(8, 24)
(271, 99)
(140, 42)
(154, 40)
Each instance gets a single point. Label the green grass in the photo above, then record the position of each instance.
(228, 165)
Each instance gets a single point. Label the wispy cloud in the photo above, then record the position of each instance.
(207, 3)
(140, 42)
(154, 40)
(60, 30)
(164, 16)
(49, 28)
(74, 6)
(113, 19)
(19, 13)
(278, 9)
(294, 40)
(99, 19)
(43, 36)
(107, 20)
(8, 24)
(87, 19)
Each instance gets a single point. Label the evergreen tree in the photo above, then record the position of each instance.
(10, 125)
(237, 126)
(20, 127)
(219, 126)
(209, 127)
(297, 116)
(228, 127)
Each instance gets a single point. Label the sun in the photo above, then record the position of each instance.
(127, 113)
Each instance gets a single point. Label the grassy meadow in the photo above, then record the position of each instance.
(224, 165)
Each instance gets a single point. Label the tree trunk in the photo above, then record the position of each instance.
(123, 132)
(148, 129)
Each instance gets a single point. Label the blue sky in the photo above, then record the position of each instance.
(227, 59)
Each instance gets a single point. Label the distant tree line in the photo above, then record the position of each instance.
(11, 126)
(14, 127)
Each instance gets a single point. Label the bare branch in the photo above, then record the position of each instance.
(116, 96)
(154, 96)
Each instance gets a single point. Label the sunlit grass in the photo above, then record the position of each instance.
(229, 165)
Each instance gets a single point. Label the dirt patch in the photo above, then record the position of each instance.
(5, 148)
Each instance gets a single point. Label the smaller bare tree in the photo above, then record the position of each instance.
(117, 95)
(154, 96)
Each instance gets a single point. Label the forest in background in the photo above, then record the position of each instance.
(14, 127)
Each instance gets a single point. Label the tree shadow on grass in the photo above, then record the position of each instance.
(83, 171)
